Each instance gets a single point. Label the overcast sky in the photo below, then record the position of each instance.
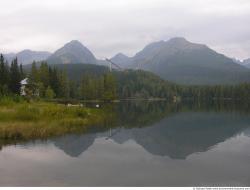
(107, 27)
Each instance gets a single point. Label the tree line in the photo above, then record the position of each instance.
(141, 84)
(52, 82)
(10, 76)
(201, 92)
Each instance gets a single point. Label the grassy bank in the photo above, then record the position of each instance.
(20, 120)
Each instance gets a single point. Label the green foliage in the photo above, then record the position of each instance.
(63, 82)
(75, 72)
(10, 100)
(26, 112)
(44, 74)
(26, 121)
(34, 75)
(22, 74)
(15, 77)
(141, 84)
(230, 92)
(48, 80)
(4, 73)
(97, 88)
(49, 93)
(109, 91)
(92, 82)
(10, 77)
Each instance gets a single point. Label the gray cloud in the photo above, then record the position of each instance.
(112, 26)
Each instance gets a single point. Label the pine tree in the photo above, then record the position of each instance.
(109, 87)
(4, 76)
(4, 71)
(2, 66)
(44, 74)
(15, 77)
(34, 74)
(54, 81)
(22, 72)
(64, 90)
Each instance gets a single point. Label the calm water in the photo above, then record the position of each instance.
(146, 144)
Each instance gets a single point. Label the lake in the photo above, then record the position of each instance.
(145, 144)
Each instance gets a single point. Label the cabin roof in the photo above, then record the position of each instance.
(24, 81)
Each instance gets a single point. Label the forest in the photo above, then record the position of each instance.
(58, 82)
(54, 83)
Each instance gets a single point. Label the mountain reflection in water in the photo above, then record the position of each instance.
(176, 136)
(140, 144)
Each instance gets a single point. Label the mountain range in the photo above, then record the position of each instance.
(28, 56)
(176, 60)
(184, 62)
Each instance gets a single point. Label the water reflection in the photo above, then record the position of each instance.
(141, 144)
(74, 145)
(174, 130)
(177, 136)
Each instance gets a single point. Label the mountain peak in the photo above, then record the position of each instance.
(177, 39)
(72, 52)
(74, 43)
(185, 62)
(26, 51)
(120, 55)
(183, 44)
(121, 59)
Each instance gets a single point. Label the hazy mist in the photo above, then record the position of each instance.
(112, 26)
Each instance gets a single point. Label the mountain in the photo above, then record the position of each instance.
(72, 52)
(9, 57)
(183, 62)
(188, 63)
(76, 71)
(246, 63)
(237, 61)
(122, 60)
(28, 56)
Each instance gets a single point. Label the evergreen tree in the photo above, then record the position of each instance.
(109, 87)
(64, 90)
(15, 77)
(54, 81)
(4, 71)
(44, 74)
(34, 74)
(4, 76)
(22, 72)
